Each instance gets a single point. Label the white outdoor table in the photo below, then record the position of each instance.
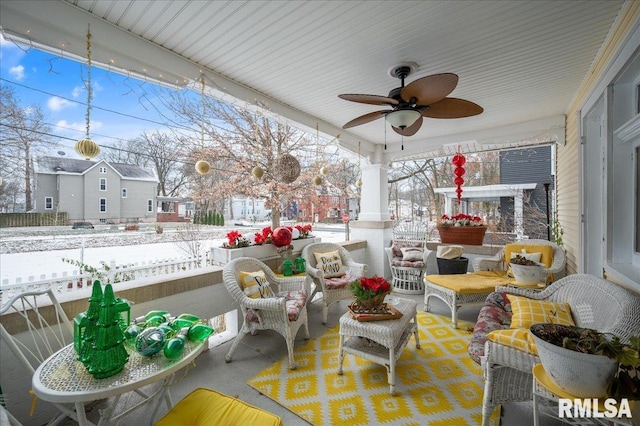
(63, 379)
(386, 341)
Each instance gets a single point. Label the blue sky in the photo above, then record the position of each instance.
(56, 84)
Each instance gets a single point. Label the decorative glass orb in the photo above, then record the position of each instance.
(87, 148)
(288, 168)
(317, 180)
(257, 172)
(150, 341)
(203, 167)
(359, 183)
(324, 170)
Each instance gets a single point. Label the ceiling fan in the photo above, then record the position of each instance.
(424, 97)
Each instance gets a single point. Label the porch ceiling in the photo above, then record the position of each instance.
(521, 61)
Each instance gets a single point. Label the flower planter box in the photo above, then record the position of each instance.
(471, 235)
(223, 256)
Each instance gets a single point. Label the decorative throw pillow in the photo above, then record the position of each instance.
(411, 254)
(517, 338)
(330, 263)
(523, 253)
(255, 285)
(525, 312)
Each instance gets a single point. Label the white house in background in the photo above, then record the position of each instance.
(95, 191)
(247, 208)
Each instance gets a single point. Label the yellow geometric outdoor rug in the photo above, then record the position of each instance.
(437, 385)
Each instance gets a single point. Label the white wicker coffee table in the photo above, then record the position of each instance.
(379, 341)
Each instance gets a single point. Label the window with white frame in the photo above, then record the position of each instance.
(149, 206)
(124, 192)
(103, 184)
(103, 170)
(103, 205)
(48, 203)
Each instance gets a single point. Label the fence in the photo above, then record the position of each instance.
(69, 282)
(8, 220)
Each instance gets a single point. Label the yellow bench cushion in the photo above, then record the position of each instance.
(206, 407)
(470, 283)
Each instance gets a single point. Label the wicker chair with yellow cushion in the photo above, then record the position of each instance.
(266, 301)
(206, 407)
(408, 256)
(331, 268)
(472, 289)
(501, 342)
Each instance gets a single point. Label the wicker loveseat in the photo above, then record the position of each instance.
(595, 303)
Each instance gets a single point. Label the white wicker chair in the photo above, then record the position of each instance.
(407, 276)
(271, 312)
(36, 328)
(330, 295)
(595, 303)
(498, 262)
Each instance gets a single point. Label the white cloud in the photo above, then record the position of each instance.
(81, 126)
(17, 72)
(58, 104)
(77, 91)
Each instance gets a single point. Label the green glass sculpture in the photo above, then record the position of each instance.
(108, 355)
(173, 348)
(85, 324)
(198, 332)
(150, 341)
(287, 268)
(300, 265)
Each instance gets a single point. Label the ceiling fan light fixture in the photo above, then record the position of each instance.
(402, 118)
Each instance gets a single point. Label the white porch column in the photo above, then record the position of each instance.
(374, 224)
(518, 212)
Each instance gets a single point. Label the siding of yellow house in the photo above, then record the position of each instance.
(568, 178)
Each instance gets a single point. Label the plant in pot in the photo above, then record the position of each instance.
(584, 362)
(526, 271)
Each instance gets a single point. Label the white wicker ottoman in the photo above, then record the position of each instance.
(386, 339)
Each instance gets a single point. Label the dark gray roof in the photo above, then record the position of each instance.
(53, 165)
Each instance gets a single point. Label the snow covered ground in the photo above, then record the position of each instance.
(39, 251)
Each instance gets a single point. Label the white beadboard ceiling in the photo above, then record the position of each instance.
(522, 61)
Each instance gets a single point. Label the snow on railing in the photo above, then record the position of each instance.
(69, 282)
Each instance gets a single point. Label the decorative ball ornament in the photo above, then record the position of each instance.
(281, 237)
(295, 233)
(359, 183)
(458, 161)
(317, 180)
(288, 168)
(257, 172)
(87, 148)
(150, 341)
(324, 171)
(203, 167)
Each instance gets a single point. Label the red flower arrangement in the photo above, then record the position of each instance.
(235, 240)
(304, 230)
(265, 236)
(367, 288)
(461, 220)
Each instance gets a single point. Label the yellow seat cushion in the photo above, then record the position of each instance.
(469, 283)
(545, 250)
(525, 312)
(516, 338)
(206, 407)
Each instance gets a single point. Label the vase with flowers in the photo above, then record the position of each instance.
(461, 229)
(369, 294)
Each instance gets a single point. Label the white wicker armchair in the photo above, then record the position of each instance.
(407, 275)
(498, 261)
(331, 293)
(270, 313)
(595, 303)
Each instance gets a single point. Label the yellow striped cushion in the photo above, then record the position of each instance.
(517, 338)
(526, 312)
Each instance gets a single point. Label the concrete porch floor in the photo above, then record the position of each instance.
(261, 350)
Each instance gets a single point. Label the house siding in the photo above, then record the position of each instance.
(135, 205)
(568, 176)
(45, 187)
(71, 195)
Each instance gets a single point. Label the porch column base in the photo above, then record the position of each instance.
(378, 234)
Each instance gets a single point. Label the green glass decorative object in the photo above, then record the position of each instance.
(150, 341)
(108, 355)
(287, 268)
(84, 327)
(178, 323)
(132, 332)
(198, 332)
(189, 317)
(173, 348)
(300, 264)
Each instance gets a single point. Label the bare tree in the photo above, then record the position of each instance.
(24, 134)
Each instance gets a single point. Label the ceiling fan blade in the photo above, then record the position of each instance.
(452, 108)
(363, 119)
(369, 99)
(430, 89)
(411, 130)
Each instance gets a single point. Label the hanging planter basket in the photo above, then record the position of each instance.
(470, 235)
